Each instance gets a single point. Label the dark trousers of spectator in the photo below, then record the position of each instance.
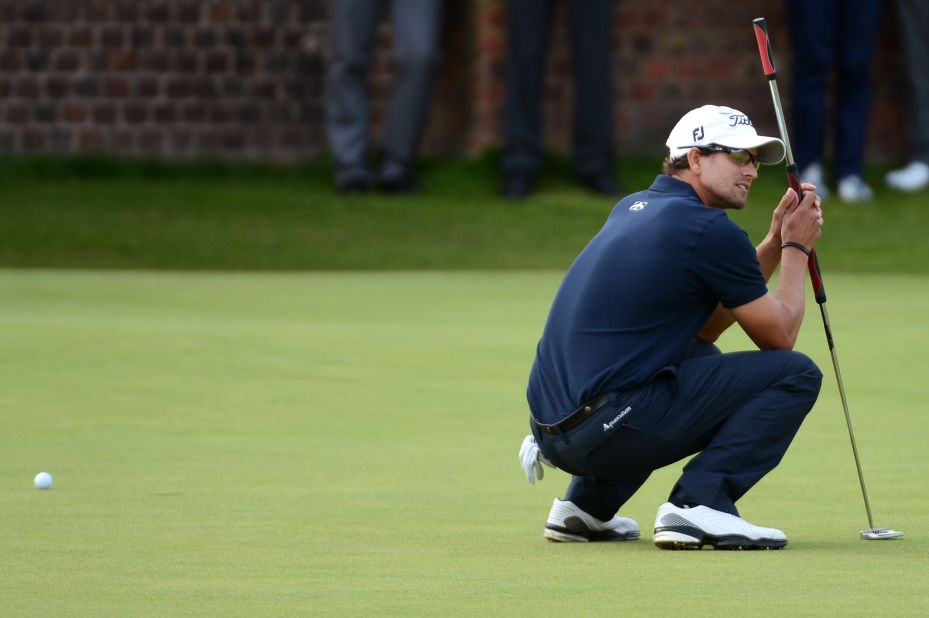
(827, 35)
(416, 25)
(913, 16)
(528, 29)
(737, 412)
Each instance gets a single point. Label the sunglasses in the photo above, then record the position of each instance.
(740, 156)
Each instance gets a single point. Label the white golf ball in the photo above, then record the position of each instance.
(43, 480)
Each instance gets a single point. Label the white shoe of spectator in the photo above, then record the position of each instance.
(813, 173)
(569, 524)
(913, 177)
(853, 189)
(694, 527)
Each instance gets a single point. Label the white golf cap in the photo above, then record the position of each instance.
(714, 124)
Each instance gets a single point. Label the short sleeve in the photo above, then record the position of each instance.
(727, 263)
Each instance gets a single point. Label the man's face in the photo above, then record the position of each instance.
(725, 180)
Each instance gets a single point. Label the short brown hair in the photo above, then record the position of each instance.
(672, 166)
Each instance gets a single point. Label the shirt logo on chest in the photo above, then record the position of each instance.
(638, 206)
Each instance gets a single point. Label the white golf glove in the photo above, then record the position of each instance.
(532, 459)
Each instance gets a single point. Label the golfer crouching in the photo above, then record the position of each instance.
(626, 377)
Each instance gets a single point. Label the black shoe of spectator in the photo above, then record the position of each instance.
(403, 183)
(352, 181)
(517, 186)
(604, 184)
(397, 177)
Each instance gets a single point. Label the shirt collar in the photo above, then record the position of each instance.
(668, 184)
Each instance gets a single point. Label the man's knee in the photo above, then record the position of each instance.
(803, 376)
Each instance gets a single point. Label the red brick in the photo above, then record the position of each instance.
(165, 113)
(205, 38)
(80, 37)
(112, 38)
(98, 10)
(117, 87)
(67, 61)
(155, 61)
(135, 113)
(220, 12)
(123, 60)
(143, 37)
(263, 38)
(158, 11)
(33, 140)
(15, 113)
(20, 37)
(188, 12)
(121, 141)
(86, 87)
(51, 37)
(10, 62)
(147, 87)
(26, 88)
(174, 37)
(656, 68)
(104, 113)
(128, 11)
(185, 62)
(194, 113)
(91, 140)
(217, 62)
(152, 142)
(45, 113)
(98, 61)
(60, 140)
(74, 112)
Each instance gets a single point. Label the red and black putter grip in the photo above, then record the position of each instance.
(816, 277)
(764, 48)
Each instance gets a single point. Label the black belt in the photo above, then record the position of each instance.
(575, 418)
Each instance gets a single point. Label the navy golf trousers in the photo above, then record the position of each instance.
(738, 412)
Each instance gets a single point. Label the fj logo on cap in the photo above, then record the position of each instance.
(698, 133)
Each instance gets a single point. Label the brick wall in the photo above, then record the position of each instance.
(244, 79)
(175, 78)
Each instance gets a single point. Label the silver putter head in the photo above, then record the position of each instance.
(879, 534)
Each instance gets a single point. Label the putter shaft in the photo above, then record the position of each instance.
(848, 417)
(767, 62)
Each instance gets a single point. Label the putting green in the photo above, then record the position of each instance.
(345, 444)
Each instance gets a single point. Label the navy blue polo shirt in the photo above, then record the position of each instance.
(637, 296)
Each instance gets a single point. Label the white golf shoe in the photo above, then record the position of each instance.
(692, 528)
(813, 173)
(913, 177)
(569, 524)
(854, 189)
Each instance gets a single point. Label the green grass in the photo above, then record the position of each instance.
(344, 444)
(90, 213)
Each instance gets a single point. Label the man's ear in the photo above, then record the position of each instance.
(695, 160)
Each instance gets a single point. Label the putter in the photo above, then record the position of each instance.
(793, 179)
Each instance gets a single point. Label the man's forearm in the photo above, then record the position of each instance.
(769, 255)
(790, 290)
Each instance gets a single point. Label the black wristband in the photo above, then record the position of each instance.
(795, 245)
